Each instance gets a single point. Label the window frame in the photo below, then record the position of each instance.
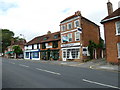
(69, 37)
(118, 48)
(75, 23)
(68, 26)
(117, 27)
(63, 29)
(76, 35)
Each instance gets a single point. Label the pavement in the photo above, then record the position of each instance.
(99, 64)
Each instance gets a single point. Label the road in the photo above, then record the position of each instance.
(33, 74)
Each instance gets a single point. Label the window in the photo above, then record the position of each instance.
(37, 46)
(118, 28)
(77, 36)
(27, 54)
(43, 46)
(32, 46)
(56, 36)
(64, 38)
(63, 27)
(76, 23)
(118, 50)
(45, 38)
(70, 37)
(71, 53)
(55, 44)
(35, 54)
(64, 53)
(69, 26)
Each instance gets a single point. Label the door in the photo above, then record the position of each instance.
(64, 54)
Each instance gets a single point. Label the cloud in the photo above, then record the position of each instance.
(35, 17)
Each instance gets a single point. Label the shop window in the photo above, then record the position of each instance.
(71, 53)
(35, 54)
(27, 54)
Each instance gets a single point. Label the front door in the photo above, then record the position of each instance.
(64, 54)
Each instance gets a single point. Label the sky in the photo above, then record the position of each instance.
(33, 18)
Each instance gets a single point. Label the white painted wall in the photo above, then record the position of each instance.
(35, 46)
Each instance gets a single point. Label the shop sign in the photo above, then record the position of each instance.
(70, 45)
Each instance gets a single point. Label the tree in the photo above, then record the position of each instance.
(6, 37)
(17, 50)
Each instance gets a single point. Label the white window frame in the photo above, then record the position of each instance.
(75, 23)
(116, 24)
(76, 35)
(68, 26)
(62, 27)
(118, 48)
(70, 37)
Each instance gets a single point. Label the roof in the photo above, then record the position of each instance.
(50, 37)
(40, 39)
(112, 16)
(75, 15)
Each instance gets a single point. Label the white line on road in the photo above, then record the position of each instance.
(100, 84)
(12, 63)
(23, 65)
(48, 71)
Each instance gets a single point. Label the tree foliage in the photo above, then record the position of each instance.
(17, 49)
(6, 37)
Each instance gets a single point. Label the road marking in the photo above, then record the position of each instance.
(100, 84)
(12, 63)
(48, 71)
(23, 65)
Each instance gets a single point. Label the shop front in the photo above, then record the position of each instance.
(50, 54)
(32, 54)
(71, 51)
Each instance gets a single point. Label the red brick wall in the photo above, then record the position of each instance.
(111, 41)
(90, 32)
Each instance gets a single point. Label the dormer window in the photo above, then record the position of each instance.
(56, 36)
(45, 38)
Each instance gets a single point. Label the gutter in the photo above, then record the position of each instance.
(103, 21)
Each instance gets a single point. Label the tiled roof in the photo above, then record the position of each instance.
(75, 15)
(40, 39)
(114, 14)
(50, 37)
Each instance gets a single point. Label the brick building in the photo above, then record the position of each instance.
(45, 47)
(76, 32)
(112, 34)
(50, 46)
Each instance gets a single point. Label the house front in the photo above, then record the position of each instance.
(32, 49)
(112, 34)
(76, 32)
(50, 46)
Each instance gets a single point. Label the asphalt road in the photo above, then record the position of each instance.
(32, 74)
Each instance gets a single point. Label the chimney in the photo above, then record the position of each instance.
(49, 32)
(78, 13)
(119, 4)
(109, 7)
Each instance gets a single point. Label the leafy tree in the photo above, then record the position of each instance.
(91, 48)
(17, 50)
(6, 37)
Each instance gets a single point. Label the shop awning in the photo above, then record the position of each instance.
(9, 52)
